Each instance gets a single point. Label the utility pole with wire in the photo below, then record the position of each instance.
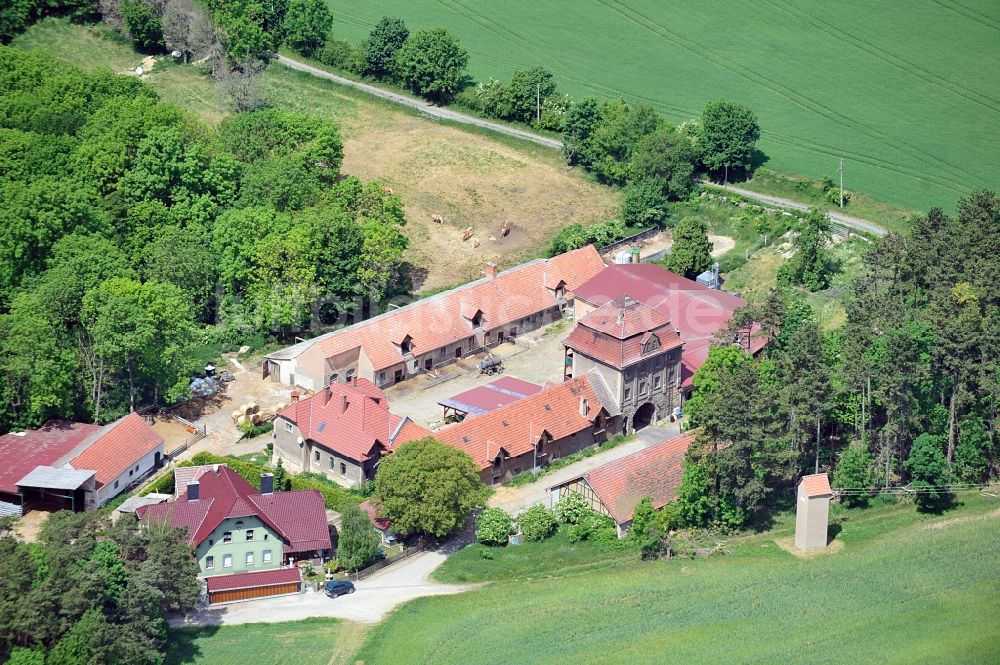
(841, 169)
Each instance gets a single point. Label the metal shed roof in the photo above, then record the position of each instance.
(49, 477)
(489, 397)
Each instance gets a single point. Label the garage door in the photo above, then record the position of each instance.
(232, 595)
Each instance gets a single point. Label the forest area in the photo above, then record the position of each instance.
(133, 235)
(904, 393)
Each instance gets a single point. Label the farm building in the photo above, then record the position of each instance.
(695, 310)
(78, 466)
(636, 351)
(483, 399)
(812, 511)
(617, 487)
(531, 432)
(341, 432)
(236, 530)
(433, 331)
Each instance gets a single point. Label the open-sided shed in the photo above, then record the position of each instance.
(489, 397)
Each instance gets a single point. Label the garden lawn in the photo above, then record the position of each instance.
(904, 91)
(556, 555)
(309, 642)
(904, 588)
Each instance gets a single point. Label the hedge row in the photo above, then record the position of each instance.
(334, 496)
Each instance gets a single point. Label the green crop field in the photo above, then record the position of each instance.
(902, 588)
(906, 91)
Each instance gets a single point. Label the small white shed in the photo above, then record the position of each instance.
(812, 511)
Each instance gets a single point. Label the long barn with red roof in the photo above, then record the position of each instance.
(433, 331)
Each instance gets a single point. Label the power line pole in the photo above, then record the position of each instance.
(841, 169)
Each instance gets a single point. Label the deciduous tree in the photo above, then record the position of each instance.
(431, 64)
(691, 253)
(306, 25)
(729, 134)
(357, 540)
(426, 486)
(384, 41)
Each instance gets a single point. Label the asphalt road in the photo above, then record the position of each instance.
(374, 597)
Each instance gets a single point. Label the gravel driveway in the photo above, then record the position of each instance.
(375, 597)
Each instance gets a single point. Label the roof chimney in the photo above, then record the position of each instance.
(491, 270)
(343, 402)
(327, 395)
(266, 483)
(192, 490)
(584, 407)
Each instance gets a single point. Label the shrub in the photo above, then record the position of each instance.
(384, 41)
(592, 526)
(644, 204)
(493, 525)
(431, 63)
(306, 24)
(571, 509)
(341, 54)
(537, 523)
(357, 542)
(143, 25)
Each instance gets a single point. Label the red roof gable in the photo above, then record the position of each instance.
(118, 447)
(617, 331)
(21, 452)
(444, 319)
(255, 579)
(299, 517)
(380, 522)
(654, 472)
(517, 427)
(695, 310)
(351, 419)
(817, 484)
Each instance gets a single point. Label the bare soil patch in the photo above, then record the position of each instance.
(474, 182)
(174, 434)
(788, 544)
(721, 244)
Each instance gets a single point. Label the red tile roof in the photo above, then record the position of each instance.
(615, 332)
(517, 427)
(654, 472)
(255, 579)
(695, 310)
(298, 517)
(351, 419)
(817, 484)
(117, 448)
(21, 452)
(445, 318)
(380, 522)
(408, 431)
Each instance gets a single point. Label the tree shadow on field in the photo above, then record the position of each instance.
(182, 646)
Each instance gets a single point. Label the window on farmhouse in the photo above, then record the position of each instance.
(288, 426)
(249, 558)
(333, 462)
(266, 556)
(227, 560)
(249, 534)
(316, 455)
(343, 469)
(656, 381)
(628, 393)
(209, 562)
(227, 537)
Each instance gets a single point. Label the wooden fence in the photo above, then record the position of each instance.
(388, 561)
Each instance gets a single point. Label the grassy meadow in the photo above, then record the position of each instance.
(898, 588)
(905, 92)
(308, 642)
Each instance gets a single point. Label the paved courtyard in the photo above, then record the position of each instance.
(537, 358)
